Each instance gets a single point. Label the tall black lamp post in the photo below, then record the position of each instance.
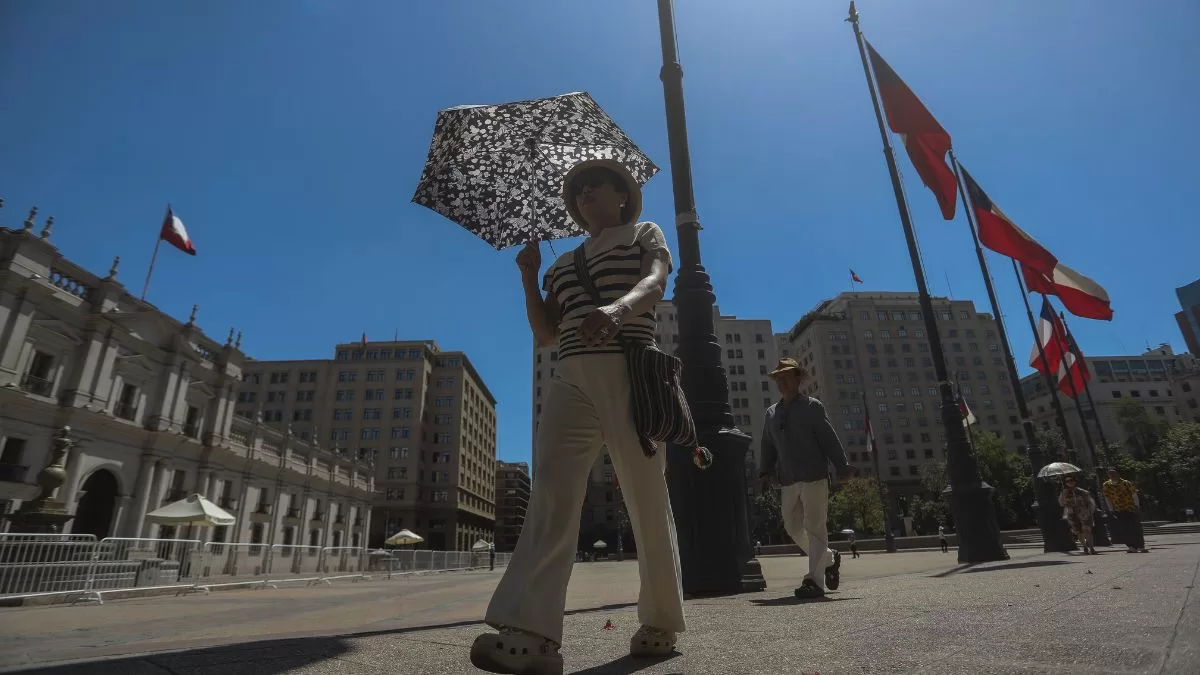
(710, 507)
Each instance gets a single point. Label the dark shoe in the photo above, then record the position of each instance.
(809, 590)
(833, 573)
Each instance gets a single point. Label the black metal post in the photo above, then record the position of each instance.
(1099, 528)
(1050, 384)
(1049, 512)
(711, 512)
(971, 498)
(889, 539)
(1052, 531)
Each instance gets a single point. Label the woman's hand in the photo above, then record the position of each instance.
(602, 324)
(529, 260)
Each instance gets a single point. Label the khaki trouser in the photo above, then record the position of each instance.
(805, 507)
(588, 406)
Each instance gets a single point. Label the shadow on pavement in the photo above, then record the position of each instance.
(267, 657)
(626, 665)
(976, 567)
(793, 600)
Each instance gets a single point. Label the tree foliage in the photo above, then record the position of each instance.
(768, 518)
(933, 477)
(1008, 473)
(927, 514)
(1142, 432)
(857, 505)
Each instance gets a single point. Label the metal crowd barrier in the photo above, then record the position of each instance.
(84, 569)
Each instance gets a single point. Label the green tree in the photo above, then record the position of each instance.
(1174, 468)
(933, 477)
(768, 518)
(857, 505)
(1052, 444)
(1142, 432)
(927, 514)
(1008, 473)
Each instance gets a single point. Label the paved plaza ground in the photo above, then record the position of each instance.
(912, 612)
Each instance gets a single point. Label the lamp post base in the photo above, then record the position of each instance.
(1056, 533)
(975, 523)
(711, 519)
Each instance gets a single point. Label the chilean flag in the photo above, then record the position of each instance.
(1052, 337)
(870, 435)
(1002, 235)
(967, 415)
(1079, 294)
(854, 278)
(925, 140)
(174, 233)
(1074, 371)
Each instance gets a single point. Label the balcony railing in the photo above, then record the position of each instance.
(358, 522)
(262, 509)
(317, 518)
(174, 495)
(37, 385)
(227, 503)
(339, 520)
(125, 411)
(293, 512)
(13, 473)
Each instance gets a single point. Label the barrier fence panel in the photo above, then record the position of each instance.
(128, 562)
(342, 560)
(232, 563)
(45, 563)
(295, 561)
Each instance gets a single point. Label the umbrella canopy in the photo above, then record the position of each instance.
(193, 510)
(847, 531)
(1058, 469)
(497, 170)
(600, 544)
(403, 537)
(481, 546)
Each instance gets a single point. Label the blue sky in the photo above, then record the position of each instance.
(289, 135)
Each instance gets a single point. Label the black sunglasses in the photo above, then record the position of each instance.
(594, 178)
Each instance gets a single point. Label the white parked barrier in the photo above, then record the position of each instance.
(34, 564)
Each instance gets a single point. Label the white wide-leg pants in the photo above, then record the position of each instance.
(805, 508)
(588, 406)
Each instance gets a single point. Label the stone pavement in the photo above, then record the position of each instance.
(898, 613)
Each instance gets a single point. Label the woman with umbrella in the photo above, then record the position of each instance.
(587, 407)
(1078, 509)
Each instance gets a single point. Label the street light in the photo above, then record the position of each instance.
(711, 513)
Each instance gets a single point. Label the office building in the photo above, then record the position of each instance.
(149, 402)
(512, 500)
(868, 351)
(1189, 318)
(422, 415)
(748, 352)
(1159, 379)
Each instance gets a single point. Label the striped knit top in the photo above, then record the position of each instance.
(617, 259)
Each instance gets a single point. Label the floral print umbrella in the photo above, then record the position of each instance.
(497, 170)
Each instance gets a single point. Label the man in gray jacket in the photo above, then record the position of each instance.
(798, 445)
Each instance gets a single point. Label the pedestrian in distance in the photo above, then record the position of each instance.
(1079, 508)
(942, 539)
(853, 546)
(1123, 501)
(588, 405)
(798, 445)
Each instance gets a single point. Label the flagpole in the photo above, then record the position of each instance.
(154, 256)
(1087, 388)
(1050, 384)
(971, 497)
(1100, 530)
(1053, 539)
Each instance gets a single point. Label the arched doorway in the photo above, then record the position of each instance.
(94, 515)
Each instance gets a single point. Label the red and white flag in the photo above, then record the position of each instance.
(870, 435)
(1074, 371)
(924, 138)
(1052, 337)
(174, 233)
(1079, 294)
(967, 415)
(854, 278)
(1001, 234)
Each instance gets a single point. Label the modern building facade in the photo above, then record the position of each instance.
(149, 401)
(512, 500)
(1189, 318)
(423, 415)
(1159, 379)
(749, 352)
(868, 351)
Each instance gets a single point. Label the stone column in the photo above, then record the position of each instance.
(366, 528)
(120, 511)
(147, 478)
(71, 487)
(153, 498)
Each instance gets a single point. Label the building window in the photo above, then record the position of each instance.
(369, 434)
(344, 395)
(371, 413)
(373, 395)
(401, 432)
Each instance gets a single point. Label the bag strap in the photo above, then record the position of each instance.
(589, 285)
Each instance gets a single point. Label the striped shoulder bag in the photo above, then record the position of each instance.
(660, 410)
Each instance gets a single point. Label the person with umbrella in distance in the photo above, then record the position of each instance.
(588, 406)
(1079, 507)
(798, 445)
